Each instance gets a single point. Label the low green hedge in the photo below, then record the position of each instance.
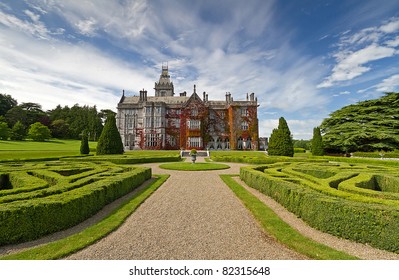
(128, 159)
(32, 215)
(370, 223)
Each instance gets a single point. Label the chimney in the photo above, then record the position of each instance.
(247, 96)
(252, 95)
(204, 98)
(145, 95)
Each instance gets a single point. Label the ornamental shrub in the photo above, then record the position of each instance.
(110, 141)
(280, 143)
(317, 143)
(84, 145)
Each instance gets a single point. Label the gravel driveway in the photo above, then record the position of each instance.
(194, 215)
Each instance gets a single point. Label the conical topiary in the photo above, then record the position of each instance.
(280, 143)
(317, 143)
(84, 144)
(110, 141)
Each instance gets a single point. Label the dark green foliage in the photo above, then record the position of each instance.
(280, 142)
(6, 103)
(70, 122)
(4, 131)
(110, 141)
(84, 145)
(299, 150)
(39, 132)
(305, 144)
(366, 126)
(60, 129)
(18, 131)
(317, 143)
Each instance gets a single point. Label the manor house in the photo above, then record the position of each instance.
(167, 121)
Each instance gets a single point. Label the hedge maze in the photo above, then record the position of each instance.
(354, 201)
(41, 198)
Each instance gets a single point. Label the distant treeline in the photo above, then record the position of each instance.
(63, 122)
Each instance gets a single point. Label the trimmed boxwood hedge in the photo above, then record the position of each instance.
(370, 220)
(68, 200)
(124, 159)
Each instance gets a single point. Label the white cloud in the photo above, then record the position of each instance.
(351, 65)
(391, 26)
(87, 27)
(34, 28)
(60, 73)
(390, 84)
(393, 43)
(357, 51)
(218, 57)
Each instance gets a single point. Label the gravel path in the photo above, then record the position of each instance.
(192, 216)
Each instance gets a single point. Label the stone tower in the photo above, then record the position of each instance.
(164, 87)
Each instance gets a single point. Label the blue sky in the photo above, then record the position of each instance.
(302, 59)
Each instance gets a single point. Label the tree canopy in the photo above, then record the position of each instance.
(366, 126)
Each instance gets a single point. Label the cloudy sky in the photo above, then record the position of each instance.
(302, 59)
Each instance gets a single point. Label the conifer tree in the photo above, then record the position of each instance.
(317, 143)
(110, 141)
(84, 144)
(280, 143)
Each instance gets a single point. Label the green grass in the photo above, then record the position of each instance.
(280, 230)
(31, 150)
(76, 242)
(187, 166)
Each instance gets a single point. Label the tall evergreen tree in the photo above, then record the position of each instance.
(317, 143)
(110, 141)
(280, 143)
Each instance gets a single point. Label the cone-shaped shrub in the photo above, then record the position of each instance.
(317, 143)
(110, 141)
(280, 143)
(84, 145)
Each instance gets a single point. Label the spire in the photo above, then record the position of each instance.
(164, 87)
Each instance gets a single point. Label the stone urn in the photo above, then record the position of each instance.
(193, 155)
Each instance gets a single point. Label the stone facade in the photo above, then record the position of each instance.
(166, 121)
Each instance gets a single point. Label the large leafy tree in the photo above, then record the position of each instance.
(39, 132)
(366, 126)
(280, 142)
(4, 131)
(110, 141)
(18, 131)
(6, 103)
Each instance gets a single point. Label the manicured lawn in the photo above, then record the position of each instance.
(187, 166)
(28, 150)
